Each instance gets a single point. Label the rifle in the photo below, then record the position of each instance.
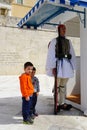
(55, 93)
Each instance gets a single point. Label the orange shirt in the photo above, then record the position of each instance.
(26, 85)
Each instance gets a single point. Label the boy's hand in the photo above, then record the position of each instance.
(27, 98)
(37, 93)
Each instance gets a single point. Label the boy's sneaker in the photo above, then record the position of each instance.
(32, 117)
(30, 120)
(27, 122)
(66, 107)
(35, 114)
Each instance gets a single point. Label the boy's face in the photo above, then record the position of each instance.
(28, 70)
(33, 73)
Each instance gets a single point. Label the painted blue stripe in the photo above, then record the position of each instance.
(37, 5)
(62, 1)
(52, 0)
(82, 3)
(79, 2)
(42, 1)
(73, 2)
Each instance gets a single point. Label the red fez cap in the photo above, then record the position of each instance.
(61, 26)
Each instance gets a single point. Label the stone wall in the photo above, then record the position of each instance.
(8, 21)
(20, 45)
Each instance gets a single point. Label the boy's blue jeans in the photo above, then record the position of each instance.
(26, 108)
(34, 101)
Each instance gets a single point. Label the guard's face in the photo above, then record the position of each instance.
(62, 31)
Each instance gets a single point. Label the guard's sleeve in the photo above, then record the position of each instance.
(51, 60)
(73, 59)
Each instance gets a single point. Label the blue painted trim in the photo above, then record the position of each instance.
(52, 16)
(28, 18)
(62, 1)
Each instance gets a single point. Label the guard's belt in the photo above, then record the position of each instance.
(61, 56)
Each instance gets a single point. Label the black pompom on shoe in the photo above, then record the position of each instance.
(66, 107)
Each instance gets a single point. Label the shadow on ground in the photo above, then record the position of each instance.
(10, 109)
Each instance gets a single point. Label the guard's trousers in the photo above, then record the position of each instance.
(61, 85)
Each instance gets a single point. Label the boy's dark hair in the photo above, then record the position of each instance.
(27, 64)
(34, 68)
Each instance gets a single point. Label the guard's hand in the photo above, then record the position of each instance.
(69, 56)
(54, 71)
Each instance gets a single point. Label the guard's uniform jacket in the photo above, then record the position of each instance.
(61, 50)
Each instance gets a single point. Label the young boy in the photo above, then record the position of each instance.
(27, 91)
(36, 91)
